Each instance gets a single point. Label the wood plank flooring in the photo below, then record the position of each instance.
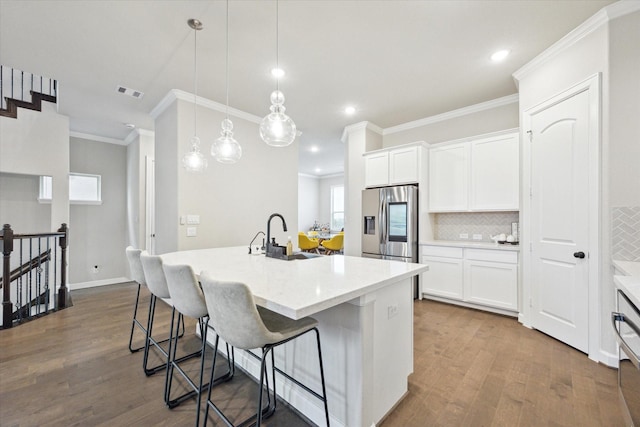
(73, 368)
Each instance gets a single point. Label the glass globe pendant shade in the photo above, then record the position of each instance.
(226, 149)
(277, 129)
(194, 161)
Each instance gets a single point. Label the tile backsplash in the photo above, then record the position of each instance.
(449, 226)
(625, 233)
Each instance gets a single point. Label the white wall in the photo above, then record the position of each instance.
(19, 206)
(624, 111)
(477, 123)
(233, 201)
(97, 233)
(308, 201)
(324, 212)
(37, 143)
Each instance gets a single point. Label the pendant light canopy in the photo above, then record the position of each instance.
(277, 129)
(194, 160)
(226, 149)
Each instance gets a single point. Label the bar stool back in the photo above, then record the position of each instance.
(188, 300)
(239, 322)
(157, 284)
(137, 274)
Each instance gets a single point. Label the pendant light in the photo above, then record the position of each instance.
(226, 149)
(194, 160)
(277, 129)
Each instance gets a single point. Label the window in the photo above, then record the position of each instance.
(83, 189)
(337, 207)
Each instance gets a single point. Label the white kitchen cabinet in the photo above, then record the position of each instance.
(376, 169)
(480, 278)
(475, 175)
(495, 173)
(404, 165)
(448, 178)
(394, 166)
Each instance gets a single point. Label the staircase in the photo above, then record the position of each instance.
(34, 275)
(24, 90)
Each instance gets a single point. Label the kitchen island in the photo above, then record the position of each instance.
(365, 312)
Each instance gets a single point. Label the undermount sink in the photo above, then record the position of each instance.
(296, 255)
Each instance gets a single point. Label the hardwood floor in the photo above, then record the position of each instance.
(73, 368)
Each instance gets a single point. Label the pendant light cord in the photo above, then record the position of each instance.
(195, 80)
(277, 43)
(227, 58)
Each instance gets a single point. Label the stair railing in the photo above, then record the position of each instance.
(42, 262)
(21, 85)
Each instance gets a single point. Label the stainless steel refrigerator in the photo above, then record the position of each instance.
(390, 218)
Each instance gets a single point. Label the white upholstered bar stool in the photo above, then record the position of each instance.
(157, 284)
(133, 256)
(240, 323)
(188, 300)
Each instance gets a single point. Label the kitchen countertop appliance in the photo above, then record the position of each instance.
(391, 224)
(626, 323)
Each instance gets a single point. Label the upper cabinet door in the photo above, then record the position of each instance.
(376, 169)
(495, 180)
(403, 165)
(448, 178)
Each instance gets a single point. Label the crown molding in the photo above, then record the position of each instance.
(175, 94)
(138, 132)
(602, 17)
(494, 103)
(97, 138)
(360, 126)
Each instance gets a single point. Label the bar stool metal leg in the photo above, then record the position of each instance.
(135, 322)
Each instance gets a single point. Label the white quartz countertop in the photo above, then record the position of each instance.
(471, 244)
(630, 282)
(297, 288)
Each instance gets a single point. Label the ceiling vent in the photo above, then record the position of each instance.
(131, 92)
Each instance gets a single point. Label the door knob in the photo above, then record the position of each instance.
(578, 255)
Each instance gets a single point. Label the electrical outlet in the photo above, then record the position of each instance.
(477, 237)
(464, 235)
(392, 311)
(192, 231)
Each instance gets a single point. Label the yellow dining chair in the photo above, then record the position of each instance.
(334, 244)
(306, 244)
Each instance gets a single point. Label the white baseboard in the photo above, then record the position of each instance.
(609, 359)
(96, 283)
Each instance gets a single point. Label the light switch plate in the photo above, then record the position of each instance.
(477, 237)
(192, 231)
(193, 219)
(464, 235)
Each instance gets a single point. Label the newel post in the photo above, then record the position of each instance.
(62, 292)
(7, 248)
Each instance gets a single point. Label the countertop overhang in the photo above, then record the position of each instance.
(297, 288)
(630, 283)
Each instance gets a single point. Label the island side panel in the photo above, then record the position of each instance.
(368, 356)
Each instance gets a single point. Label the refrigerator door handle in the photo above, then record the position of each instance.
(382, 221)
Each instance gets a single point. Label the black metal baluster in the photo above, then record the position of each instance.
(46, 274)
(19, 295)
(22, 85)
(30, 280)
(12, 83)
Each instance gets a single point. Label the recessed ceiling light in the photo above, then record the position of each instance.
(318, 170)
(277, 72)
(500, 55)
(314, 148)
(350, 110)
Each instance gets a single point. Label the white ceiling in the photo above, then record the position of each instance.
(396, 61)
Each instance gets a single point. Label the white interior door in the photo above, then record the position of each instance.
(559, 136)
(150, 204)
